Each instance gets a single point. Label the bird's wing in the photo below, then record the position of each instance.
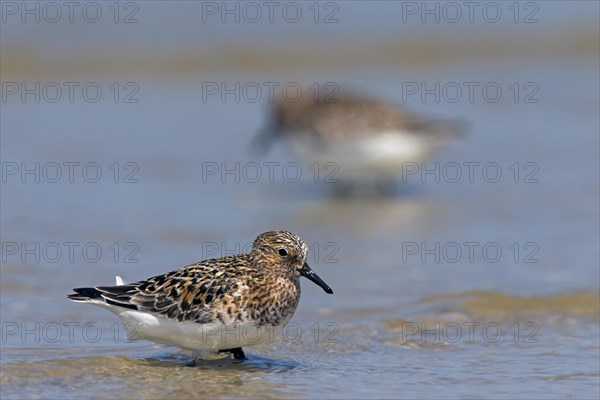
(185, 294)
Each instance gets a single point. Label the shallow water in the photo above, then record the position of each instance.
(368, 354)
(410, 317)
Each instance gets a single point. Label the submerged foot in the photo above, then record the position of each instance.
(237, 353)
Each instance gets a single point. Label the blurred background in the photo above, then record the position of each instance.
(124, 147)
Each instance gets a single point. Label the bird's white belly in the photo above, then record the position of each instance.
(193, 335)
(382, 154)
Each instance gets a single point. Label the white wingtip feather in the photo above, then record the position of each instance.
(119, 281)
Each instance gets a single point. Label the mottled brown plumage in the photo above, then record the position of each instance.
(261, 287)
(338, 118)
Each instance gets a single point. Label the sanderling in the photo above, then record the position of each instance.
(367, 139)
(220, 304)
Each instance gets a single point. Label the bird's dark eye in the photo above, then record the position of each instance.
(283, 252)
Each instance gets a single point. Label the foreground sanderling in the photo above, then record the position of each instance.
(368, 139)
(220, 304)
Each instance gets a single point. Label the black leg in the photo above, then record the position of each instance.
(238, 353)
(343, 189)
(386, 186)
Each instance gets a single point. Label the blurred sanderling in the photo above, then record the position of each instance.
(219, 304)
(368, 139)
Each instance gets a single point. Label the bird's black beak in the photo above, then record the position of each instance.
(306, 272)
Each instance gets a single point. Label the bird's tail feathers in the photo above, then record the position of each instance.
(86, 295)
